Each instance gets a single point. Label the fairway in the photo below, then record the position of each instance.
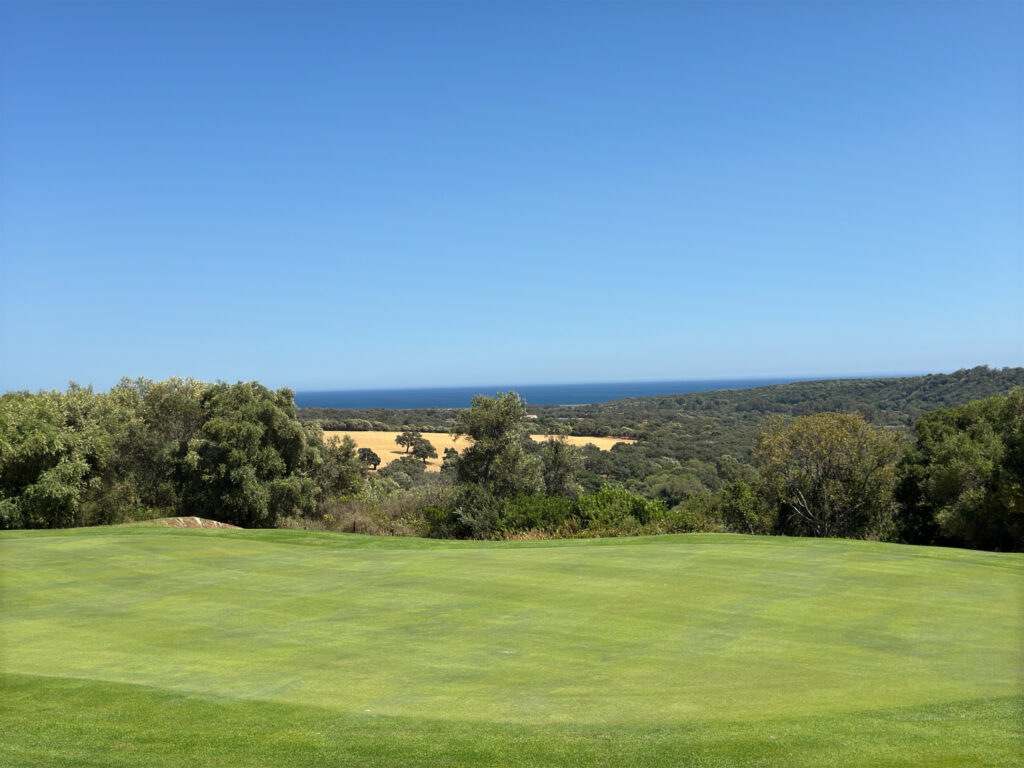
(383, 443)
(146, 646)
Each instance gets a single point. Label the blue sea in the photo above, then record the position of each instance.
(536, 394)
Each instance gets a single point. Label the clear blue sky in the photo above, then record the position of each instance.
(335, 195)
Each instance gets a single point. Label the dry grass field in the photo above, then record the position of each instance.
(383, 444)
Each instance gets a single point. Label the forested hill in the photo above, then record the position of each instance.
(888, 401)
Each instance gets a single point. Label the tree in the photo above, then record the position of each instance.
(165, 416)
(252, 462)
(450, 461)
(407, 439)
(674, 486)
(743, 510)
(340, 471)
(964, 481)
(496, 459)
(830, 474)
(406, 471)
(423, 449)
(51, 451)
(368, 458)
(561, 463)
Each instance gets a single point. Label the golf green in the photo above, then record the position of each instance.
(143, 646)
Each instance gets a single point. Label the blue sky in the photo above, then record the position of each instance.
(336, 195)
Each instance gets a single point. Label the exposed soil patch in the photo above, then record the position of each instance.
(383, 444)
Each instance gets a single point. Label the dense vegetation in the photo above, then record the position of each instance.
(147, 646)
(703, 441)
(146, 449)
(240, 454)
(719, 421)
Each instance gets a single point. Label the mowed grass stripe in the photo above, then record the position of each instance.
(90, 723)
(661, 634)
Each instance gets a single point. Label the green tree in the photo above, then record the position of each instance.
(423, 449)
(406, 471)
(339, 469)
(743, 510)
(830, 474)
(55, 450)
(561, 464)
(496, 459)
(60, 464)
(251, 462)
(165, 415)
(674, 486)
(450, 461)
(408, 439)
(368, 458)
(964, 481)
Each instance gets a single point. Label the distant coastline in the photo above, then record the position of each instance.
(536, 394)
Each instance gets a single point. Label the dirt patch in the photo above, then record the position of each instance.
(190, 522)
(383, 444)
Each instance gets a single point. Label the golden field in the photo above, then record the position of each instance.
(383, 444)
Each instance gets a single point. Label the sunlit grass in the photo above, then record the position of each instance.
(146, 646)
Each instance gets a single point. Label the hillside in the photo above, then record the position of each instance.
(155, 646)
(899, 401)
(707, 426)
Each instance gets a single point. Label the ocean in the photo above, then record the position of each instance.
(537, 394)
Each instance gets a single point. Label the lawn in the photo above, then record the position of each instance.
(164, 647)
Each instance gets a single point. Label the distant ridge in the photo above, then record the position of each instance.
(737, 411)
(535, 394)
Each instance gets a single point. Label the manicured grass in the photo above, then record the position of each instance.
(149, 646)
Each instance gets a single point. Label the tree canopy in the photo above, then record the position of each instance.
(831, 474)
(233, 452)
(408, 439)
(496, 459)
(368, 457)
(965, 477)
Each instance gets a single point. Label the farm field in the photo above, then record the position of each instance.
(149, 646)
(383, 444)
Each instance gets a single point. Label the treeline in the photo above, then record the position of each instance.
(957, 480)
(231, 452)
(239, 454)
(883, 401)
(696, 443)
(716, 414)
(502, 485)
(701, 442)
(380, 419)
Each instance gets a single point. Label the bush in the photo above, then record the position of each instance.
(742, 510)
(525, 513)
(613, 507)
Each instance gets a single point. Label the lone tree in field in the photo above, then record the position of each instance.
(368, 458)
(423, 449)
(830, 474)
(407, 439)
